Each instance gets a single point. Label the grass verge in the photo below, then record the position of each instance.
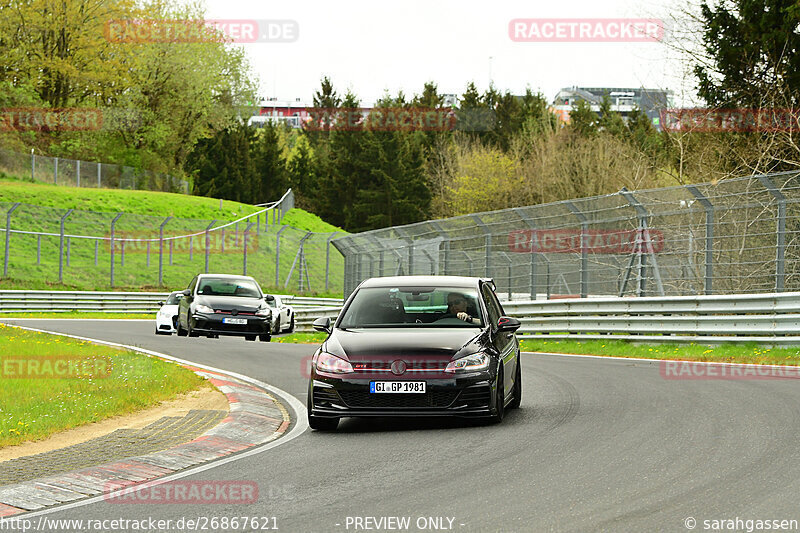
(45, 386)
(726, 353)
(302, 338)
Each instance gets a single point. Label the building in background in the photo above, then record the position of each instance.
(623, 101)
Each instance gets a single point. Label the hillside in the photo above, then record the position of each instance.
(144, 212)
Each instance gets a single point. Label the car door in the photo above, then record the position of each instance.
(504, 342)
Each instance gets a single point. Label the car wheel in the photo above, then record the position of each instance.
(181, 331)
(277, 328)
(250, 337)
(189, 330)
(266, 337)
(322, 424)
(500, 408)
(291, 324)
(517, 398)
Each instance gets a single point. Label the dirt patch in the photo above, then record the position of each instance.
(207, 397)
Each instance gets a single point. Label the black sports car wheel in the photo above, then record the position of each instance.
(181, 331)
(517, 398)
(291, 324)
(499, 408)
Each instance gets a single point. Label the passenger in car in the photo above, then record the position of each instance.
(457, 306)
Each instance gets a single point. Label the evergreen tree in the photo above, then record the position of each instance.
(269, 177)
(582, 119)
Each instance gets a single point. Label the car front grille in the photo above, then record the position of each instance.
(363, 399)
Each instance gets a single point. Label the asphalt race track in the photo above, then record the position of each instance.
(598, 444)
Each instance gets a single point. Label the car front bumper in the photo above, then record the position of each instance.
(208, 323)
(468, 396)
(166, 323)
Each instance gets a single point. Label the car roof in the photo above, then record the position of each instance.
(410, 281)
(226, 276)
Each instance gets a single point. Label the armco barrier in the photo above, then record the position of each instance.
(20, 301)
(765, 318)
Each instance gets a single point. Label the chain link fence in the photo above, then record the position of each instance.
(76, 173)
(736, 236)
(101, 249)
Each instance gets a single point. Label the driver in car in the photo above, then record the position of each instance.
(457, 306)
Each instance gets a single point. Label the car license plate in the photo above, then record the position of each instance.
(242, 321)
(397, 387)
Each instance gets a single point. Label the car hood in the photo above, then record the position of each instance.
(366, 344)
(226, 303)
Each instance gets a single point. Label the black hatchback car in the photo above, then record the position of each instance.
(416, 346)
(224, 304)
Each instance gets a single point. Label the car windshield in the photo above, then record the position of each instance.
(174, 298)
(229, 287)
(443, 307)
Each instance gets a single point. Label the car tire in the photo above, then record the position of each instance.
(189, 330)
(277, 328)
(322, 423)
(250, 337)
(291, 324)
(266, 337)
(499, 409)
(180, 330)
(517, 398)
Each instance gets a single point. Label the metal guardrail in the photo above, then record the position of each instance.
(772, 318)
(21, 301)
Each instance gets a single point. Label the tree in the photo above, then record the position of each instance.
(610, 121)
(270, 176)
(302, 173)
(582, 119)
(751, 54)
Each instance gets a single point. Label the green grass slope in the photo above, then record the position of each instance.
(86, 263)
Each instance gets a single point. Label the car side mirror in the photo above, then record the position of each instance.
(187, 293)
(322, 324)
(161, 303)
(269, 298)
(508, 324)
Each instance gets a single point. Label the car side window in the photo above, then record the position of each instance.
(491, 305)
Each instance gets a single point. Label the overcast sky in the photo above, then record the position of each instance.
(373, 46)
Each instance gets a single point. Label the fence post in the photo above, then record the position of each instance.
(244, 247)
(8, 237)
(278, 256)
(532, 226)
(69, 249)
(446, 239)
(61, 246)
(488, 243)
(328, 258)
(78, 172)
(642, 233)
(161, 251)
(208, 239)
(709, 208)
(33, 165)
(113, 224)
(584, 247)
(99, 184)
(55, 172)
(781, 244)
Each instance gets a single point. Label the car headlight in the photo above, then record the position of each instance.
(332, 364)
(471, 363)
(203, 309)
(264, 311)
